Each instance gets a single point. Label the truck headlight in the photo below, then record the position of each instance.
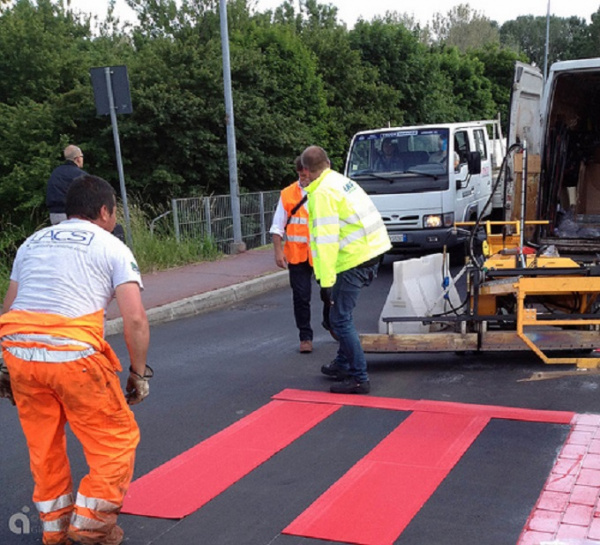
(438, 220)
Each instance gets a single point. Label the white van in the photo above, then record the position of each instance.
(425, 178)
(558, 119)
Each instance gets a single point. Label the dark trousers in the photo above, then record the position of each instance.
(301, 283)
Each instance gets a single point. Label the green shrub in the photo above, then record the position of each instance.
(11, 236)
(154, 246)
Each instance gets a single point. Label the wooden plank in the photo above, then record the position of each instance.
(534, 163)
(532, 190)
(492, 341)
(425, 342)
(554, 339)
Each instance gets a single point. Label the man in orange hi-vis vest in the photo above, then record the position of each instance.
(60, 369)
(290, 222)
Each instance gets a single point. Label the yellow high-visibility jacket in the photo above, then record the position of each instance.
(345, 227)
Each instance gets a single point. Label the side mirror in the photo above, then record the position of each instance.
(474, 162)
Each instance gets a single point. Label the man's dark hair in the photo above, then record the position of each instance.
(87, 195)
(298, 164)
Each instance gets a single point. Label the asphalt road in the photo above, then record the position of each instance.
(215, 368)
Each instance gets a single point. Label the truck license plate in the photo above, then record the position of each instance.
(398, 238)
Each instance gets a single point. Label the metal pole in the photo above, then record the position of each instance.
(176, 219)
(521, 257)
(113, 120)
(547, 42)
(207, 218)
(238, 245)
(263, 227)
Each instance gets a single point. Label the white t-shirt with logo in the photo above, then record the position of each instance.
(71, 269)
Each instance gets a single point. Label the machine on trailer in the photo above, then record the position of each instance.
(515, 300)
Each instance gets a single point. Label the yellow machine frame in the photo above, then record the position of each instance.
(535, 332)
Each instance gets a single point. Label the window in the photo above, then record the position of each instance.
(461, 145)
(480, 146)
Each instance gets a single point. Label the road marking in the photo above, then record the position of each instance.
(189, 481)
(416, 457)
(374, 502)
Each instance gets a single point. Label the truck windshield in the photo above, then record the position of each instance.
(400, 161)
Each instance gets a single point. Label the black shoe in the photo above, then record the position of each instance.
(332, 370)
(351, 386)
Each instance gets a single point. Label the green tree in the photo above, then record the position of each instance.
(42, 48)
(498, 68)
(468, 91)
(355, 98)
(401, 63)
(527, 35)
(464, 28)
(588, 44)
(27, 134)
(179, 117)
(44, 54)
(435, 85)
(299, 77)
(281, 99)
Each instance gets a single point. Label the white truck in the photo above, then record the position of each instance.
(425, 178)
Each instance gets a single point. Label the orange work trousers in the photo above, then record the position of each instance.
(87, 394)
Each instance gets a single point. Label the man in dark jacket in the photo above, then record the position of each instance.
(60, 180)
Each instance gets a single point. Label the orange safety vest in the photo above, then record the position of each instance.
(24, 325)
(297, 247)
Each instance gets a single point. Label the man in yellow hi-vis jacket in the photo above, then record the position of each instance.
(348, 239)
(60, 369)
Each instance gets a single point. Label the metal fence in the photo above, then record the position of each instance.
(211, 217)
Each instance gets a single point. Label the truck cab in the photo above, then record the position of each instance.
(423, 179)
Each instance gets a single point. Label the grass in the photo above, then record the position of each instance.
(155, 249)
(158, 249)
(11, 237)
(4, 277)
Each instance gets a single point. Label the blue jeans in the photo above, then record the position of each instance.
(350, 357)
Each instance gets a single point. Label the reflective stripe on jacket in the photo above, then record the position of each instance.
(53, 338)
(345, 227)
(296, 248)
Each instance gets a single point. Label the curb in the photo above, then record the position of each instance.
(191, 306)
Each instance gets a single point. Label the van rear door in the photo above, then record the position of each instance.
(525, 121)
(525, 125)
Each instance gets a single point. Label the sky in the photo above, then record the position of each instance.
(350, 10)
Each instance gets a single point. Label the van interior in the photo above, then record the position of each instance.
(570, 173)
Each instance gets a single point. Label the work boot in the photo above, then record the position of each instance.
(115, 537)
(333, 371)
(351, 386)
(305, 347)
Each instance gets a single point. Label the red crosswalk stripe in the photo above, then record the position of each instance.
(377, 498)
